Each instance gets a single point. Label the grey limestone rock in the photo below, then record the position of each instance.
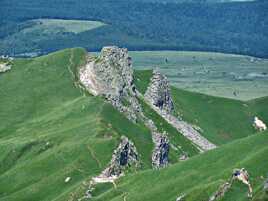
(161, 150)
(124, 156)
(111, 75)
(158, 93)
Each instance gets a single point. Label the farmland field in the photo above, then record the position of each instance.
(226, 75)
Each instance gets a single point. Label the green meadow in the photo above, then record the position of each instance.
(226, 75)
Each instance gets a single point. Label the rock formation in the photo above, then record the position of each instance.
(4, 67)
(111, 75)
(124, 156)
(158, 93)
(161, 150)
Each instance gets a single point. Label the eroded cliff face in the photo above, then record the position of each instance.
(111, 75)
(158, 93)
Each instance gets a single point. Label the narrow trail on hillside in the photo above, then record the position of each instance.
(71, 63)
(92, 153)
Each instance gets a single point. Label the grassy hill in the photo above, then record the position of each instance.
(52, 129)
(200, 176)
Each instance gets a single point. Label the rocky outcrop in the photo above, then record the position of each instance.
(161, 150)
(4, 67)
(161, 145)
(158, 93)
(111, 75)
(124, 156)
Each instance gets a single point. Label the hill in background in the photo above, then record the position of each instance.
(235, 27)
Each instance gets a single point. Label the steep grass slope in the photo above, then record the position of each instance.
(51, 129)
(222, 120)
(200, 176)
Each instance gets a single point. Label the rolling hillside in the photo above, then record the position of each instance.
(51, 129)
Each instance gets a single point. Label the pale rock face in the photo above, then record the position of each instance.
(158, 93)
(111, 75)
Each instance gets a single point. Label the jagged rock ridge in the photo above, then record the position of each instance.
(111, 75)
